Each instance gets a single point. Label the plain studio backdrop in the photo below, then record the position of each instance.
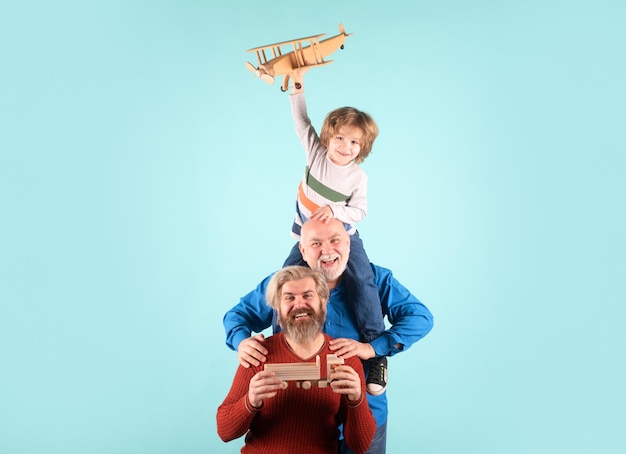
(147, 181)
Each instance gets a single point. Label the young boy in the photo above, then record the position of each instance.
(334, 186)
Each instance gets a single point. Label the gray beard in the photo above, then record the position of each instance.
(330, 275)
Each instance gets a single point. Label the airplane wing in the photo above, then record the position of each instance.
(284, 43)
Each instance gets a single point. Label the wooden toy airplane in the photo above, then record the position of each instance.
(283, 64)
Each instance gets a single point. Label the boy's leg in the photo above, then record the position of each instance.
(362, 292)
(365, 301)
(295, 257)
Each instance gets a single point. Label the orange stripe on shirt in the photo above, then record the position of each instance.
(304, 200)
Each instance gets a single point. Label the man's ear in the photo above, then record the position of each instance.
(301, 250)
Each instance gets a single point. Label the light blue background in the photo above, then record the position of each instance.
(147, 182)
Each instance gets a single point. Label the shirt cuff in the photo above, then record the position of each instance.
(251, 409)
(355, 404)
(385, 345)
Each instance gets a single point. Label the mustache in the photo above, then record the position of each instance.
(293, 314)
(314, 314)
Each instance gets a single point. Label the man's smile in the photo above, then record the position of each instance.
(329, 260)
(300, 315)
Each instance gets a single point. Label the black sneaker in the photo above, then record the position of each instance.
(377, 378)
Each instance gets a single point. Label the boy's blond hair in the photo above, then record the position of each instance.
(350, 116)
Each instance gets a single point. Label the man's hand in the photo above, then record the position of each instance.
(347, 348)
(264, 385)
(345, 380)
(251, 351)
(323, 214)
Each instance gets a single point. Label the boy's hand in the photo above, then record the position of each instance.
(323, 214)
(298, 79)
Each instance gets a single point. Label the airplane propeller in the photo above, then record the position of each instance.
(258, 73)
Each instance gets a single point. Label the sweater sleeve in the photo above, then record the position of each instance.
(235, 414)
(360, 425)
(304, 129)
(355, 208)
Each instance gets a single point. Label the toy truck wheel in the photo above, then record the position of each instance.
(306, 384)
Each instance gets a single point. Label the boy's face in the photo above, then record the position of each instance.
(345, 146)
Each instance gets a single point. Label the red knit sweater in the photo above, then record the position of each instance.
(296, 419)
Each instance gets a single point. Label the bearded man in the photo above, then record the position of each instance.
(325, 246)
(281, 418)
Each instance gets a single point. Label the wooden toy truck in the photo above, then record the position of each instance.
(305, 374)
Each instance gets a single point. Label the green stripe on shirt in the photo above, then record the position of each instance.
(324, 190)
